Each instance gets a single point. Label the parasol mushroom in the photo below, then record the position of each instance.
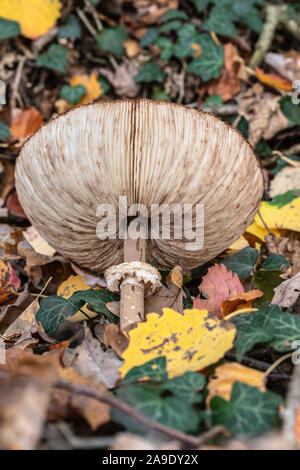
(150, 152)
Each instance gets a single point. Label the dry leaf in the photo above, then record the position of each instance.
(287, 293)
(9, 281)
(92, 85)
(272, 80)
(240, 301)
(35, 17)
(149, 11)
(26, 123)
(25, 325)
(11, 312)
(115, 338)
(190, 341)
(221, 382)
(286, 217)
(123, 80)
(14, 206)
(39, 245)
(170, 295)
(287, 65)
(132, 47)
(227, 85)
(288, 247)
(101, 367)
(218, 285)
(288, 178)
(24, 398)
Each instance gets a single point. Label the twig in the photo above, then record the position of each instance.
(91, 8)
(86, 22)
(15, 85)
(105, 397)
(84, 442)
(240, 312)
(276, 363)
(265, 225)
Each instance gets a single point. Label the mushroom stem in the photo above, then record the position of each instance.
(132, 290)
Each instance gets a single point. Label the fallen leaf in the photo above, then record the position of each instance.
(286, 217)
(170, 295)
(218, 285)
(26, 123)
(9, 313)
(25, 325)
(287, 293)
(132, 47)
(115, 338)
(287, 65)
(228, 84)
(9, 281)
(24, 398)
(221, 382)
(289, 248)
(287, 179)
(190, 341)
(240, 301)
(14, 206)
(94, 363)
(37, 242)
(275, 81)
(35, 17)
(91, 83)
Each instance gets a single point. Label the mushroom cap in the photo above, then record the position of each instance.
(153, 152)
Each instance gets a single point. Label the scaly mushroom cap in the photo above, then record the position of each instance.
(153, 152)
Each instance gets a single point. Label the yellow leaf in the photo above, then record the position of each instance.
(37, 242)
(221, 383)
(68, 287)
(190, 341)
(91, 84)
(287, 217)
(238, 245)
(35, 17)
(260, 231)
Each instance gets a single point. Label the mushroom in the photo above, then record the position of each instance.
(146, 153)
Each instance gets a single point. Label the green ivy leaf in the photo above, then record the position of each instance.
(215, 100)
(153, 370)
(158, 93)
(220, 21)
(70, 28)
(175, 15)
(55, 58)
(167, 47)
(187, 386)
(266, 281)
(150, 72)
(187, 36)
(248, 412)
(149, 37)
(242, 262)
(170, 26)
(111, 40)
(147, 400)
(282, 200)
(54, 310)
(274, 262)
(9, 29)
(209, 64)
(4, 131)
(105, 86)
(73, 94)
(200, 5)
(97, 299)
(290, 110)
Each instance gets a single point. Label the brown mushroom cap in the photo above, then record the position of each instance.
(153, 152)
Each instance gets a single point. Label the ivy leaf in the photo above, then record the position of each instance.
(287, 330)
(147, 400)
(171, 25)
(175, 15)
(242, 262)
(150, 72)
(266, 281)
(255, 328)
(200, 5)
(167, 47)
(4, 131)
(150, 37)
(158, 93)
(73, 94)
(274, 262)
(282, 200)
(97, 299)
(187, 36)
(209, 64)
(105, 86)
(71, 28)
(186, 386)
(155, 369)
(54, 310)
(111, 40)
(248, 412)
(220, 21)
(9, 29)
(55, 58)
(290, 110)
(252, 19)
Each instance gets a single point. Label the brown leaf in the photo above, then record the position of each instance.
(115, 338)
(9, 281)
(167, 296)
(287, 293)
(240, 301)
(14, 206)
(10, 313)
(24, 398)
(132, 47)
(26, 123)
(123, 81)
(288, 247)
(218, 285)
(287, 65)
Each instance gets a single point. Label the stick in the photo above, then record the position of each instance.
(105, 397)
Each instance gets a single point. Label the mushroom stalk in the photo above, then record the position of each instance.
(132, 290)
